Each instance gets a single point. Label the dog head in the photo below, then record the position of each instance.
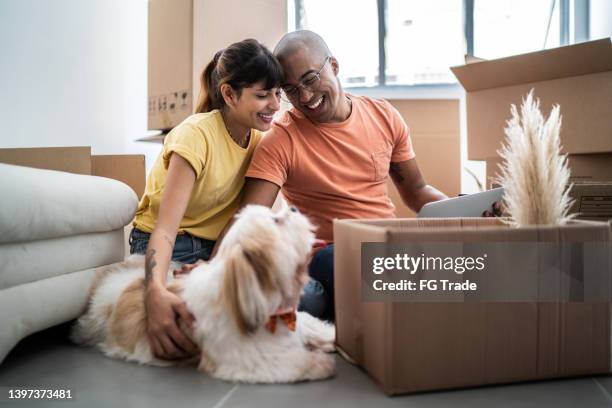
(265, 256)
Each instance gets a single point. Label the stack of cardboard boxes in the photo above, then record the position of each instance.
(578, 78)
(184, 35)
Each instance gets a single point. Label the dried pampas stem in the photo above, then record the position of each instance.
(534, 173)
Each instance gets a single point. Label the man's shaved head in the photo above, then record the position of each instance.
(311, 77)
(311, 42)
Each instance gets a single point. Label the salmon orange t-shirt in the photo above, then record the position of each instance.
(335, 170)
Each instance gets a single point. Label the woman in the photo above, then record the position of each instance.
(194, 186)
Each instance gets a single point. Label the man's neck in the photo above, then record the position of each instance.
(345, 108)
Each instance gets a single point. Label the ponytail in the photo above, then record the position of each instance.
(209, 94)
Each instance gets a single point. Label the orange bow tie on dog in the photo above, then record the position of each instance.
(289, 318)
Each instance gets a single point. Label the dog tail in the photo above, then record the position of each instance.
(88, 331)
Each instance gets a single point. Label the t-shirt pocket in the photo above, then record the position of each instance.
(381, 160)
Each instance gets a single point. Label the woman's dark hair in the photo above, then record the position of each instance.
(240, 65)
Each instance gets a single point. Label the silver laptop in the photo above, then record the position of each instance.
(471, 205)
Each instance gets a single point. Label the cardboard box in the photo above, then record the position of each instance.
(170, 62)
(592, 184)
(69, 159)
(434, 130)
(583, 168)
(184, 35)
(129, 169)
(590, 167)
(576, 77)
(592, 201)
(411, 347)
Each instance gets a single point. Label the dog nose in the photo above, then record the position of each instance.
(292, 209)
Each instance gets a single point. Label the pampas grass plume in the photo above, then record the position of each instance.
(534, 173)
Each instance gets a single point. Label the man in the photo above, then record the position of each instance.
(331, 154)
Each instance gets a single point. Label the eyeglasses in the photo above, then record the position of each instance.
(308, 83)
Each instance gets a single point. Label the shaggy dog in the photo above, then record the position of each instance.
(260, 269)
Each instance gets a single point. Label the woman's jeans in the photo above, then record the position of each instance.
(318, 296)
(187, 248)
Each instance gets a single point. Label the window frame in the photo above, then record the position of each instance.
(579, 16)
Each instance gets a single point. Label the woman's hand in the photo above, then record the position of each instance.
(166, 339)
(186, 268)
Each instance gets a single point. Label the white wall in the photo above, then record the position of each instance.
(74, 72)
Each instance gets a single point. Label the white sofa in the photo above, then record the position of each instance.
(55, 229)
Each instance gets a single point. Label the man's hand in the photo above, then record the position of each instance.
(496, 210)
(167, 340)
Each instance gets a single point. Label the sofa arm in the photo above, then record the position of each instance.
(41, 204)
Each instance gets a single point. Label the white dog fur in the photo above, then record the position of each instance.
(260, 268)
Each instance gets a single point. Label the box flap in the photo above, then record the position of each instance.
(127, 168)
(572, 60)
(69, 159)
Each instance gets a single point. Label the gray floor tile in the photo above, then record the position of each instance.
(605, 384)
(98, 381)
(352, 388)
(48, 360)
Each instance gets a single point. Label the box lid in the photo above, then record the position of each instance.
(572, 60)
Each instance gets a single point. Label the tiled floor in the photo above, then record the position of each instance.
(48, 360)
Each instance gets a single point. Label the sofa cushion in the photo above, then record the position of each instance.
(24, 262)
(41, 204)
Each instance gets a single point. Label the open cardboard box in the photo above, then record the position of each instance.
(576, 77)
(411, 347)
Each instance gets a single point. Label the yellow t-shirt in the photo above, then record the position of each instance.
(219, 164)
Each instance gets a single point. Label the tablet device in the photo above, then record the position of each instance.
(471, 205)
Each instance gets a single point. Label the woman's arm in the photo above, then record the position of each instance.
(163, 307)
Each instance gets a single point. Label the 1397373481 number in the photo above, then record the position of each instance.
(39, 393)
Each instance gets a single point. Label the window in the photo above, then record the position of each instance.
(514, 27)
(414, 42)
(423, 39)
(353, 42)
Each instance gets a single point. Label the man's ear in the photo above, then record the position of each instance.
(229, 95)
(333, 62)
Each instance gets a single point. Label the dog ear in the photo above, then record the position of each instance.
(247, 281)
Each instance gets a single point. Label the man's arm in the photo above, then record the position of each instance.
(255, 191)
(411, 186)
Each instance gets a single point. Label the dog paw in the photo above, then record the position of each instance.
(321, 366)
(317, 334)
(325, 344)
